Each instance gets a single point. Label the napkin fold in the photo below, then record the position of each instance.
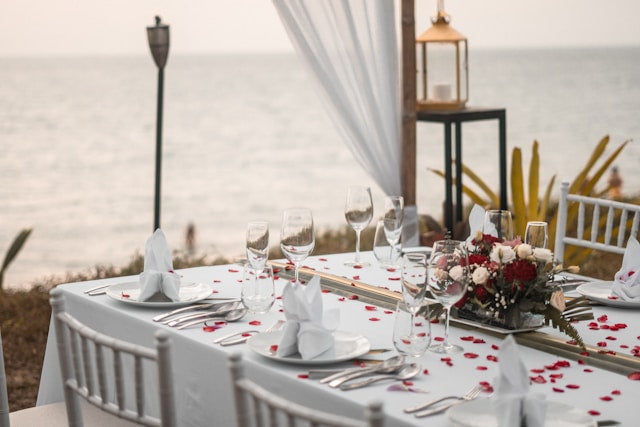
(626, 283)
(158, 282)
(512, 403)
(476, 223)
(308, 330)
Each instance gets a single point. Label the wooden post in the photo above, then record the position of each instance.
(408, 163)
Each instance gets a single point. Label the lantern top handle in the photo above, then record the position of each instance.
(441, 17)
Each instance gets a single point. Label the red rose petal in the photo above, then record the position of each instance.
(470, 355)
(426, 372)
(391, 270)
(558, 390)
(125, 295)
(322, 259)
(255, 323)
(606, 398)
(538, 379)
(233, 270)
(303, 376)
(587, 370)
(374, 319)
(495, 347)
(634, 376)
(326, 291)
(573, 386)
(388, 312)
(469, 338)
(246, 334)
(593, 413)
(217, 281)
(610, 338)
(341, 299)
(356, 277)
(273, 348)
(439, 339)
(537, 371)
(370, 307)
(209, 328)
(394, 278)
(603, 318)
(616, 392)
(358, 266)
(481, 368)
(354, 297)
(492, 358)
(556, 376)
(478, 341)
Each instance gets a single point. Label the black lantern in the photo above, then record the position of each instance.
(159, 44)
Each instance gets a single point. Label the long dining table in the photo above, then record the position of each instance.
(600, 382)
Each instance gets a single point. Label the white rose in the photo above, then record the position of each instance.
(480, 275)
(542, 254)
(502, 254)
(524, 250)
(441, 274)
(456, 273)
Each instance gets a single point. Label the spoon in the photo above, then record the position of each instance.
(230, 316)
(221, 310)
(408, 371)
(390, 365)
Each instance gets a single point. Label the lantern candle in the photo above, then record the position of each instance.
(442, 92)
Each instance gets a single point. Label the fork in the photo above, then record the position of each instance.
(245, 335)
(470, 395)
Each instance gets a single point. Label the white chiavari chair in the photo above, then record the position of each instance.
(621, 221)
(83, 354)
(256, 406)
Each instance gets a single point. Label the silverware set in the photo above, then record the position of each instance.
(184, 317)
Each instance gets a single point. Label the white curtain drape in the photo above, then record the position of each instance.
(351, 47)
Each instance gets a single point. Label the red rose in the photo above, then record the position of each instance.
(477, 259)
(521, 270)
(482, 294)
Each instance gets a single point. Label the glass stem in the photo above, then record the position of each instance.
(413, 316)
(445, 344)
(357, 260)
(296, 264)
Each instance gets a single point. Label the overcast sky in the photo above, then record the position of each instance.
(79, 27)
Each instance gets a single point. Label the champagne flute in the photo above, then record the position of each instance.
(358, 211)
(257, 244)
(498, 223)
(447, 281)
(393, 216)
(296, 236)
(536, 234)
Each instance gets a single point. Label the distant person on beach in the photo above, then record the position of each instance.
(190, 238)
(615, 183)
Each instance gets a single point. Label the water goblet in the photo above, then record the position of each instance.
(411, 333)
(257, 292)
(257, 244)
(498, 223)
(447, 281)
(358, 211)
(296, 236)
(414, 280)
(393, 217)
(386, 254)
(536, 234)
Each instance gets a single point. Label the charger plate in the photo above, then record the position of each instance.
(189, 292)
(601, 292)
(348, 346)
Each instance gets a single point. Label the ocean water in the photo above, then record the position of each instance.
(246, 136)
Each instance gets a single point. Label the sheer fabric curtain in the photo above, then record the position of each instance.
(351, 47)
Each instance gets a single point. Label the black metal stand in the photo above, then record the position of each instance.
(456, 117)
(156, 217)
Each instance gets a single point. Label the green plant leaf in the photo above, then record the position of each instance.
(534, 182)
(519, 208)
(13, 251)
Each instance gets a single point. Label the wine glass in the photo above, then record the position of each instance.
(498, 223)
(447, 280)
(393, 216)
(358, 211)
(257, 244)
(414, 286)
(257, 292)
(386, 254)
(296, 236)
(411, 333)
(536, 234)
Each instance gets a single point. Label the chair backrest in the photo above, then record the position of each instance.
(256, 406)
(616, 223)
(83, 353)
(4, 398)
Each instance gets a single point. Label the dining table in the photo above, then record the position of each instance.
(600, 380)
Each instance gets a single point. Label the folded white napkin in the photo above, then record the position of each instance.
(512, 403)
(476, 222)
(626, 284)
(158, 282)
(308, 330)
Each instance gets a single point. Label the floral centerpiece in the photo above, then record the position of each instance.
(511, 286)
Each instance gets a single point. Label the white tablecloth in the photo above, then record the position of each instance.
(203, 384)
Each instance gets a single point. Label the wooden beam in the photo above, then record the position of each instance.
(408, 161)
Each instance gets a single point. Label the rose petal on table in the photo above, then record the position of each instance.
(635, 376)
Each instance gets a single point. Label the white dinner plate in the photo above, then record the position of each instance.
(601, 292)
(347, 346)
(480, 413)
(130, 292)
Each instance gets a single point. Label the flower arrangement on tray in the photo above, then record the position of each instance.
(511, 286)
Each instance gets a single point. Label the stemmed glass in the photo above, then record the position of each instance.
(393, 216)
(358, 211)
(257, 244)
(386, 254)
(296, 236)
(536, 234)
(414, 286)
(498, 223)
(447, 281)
